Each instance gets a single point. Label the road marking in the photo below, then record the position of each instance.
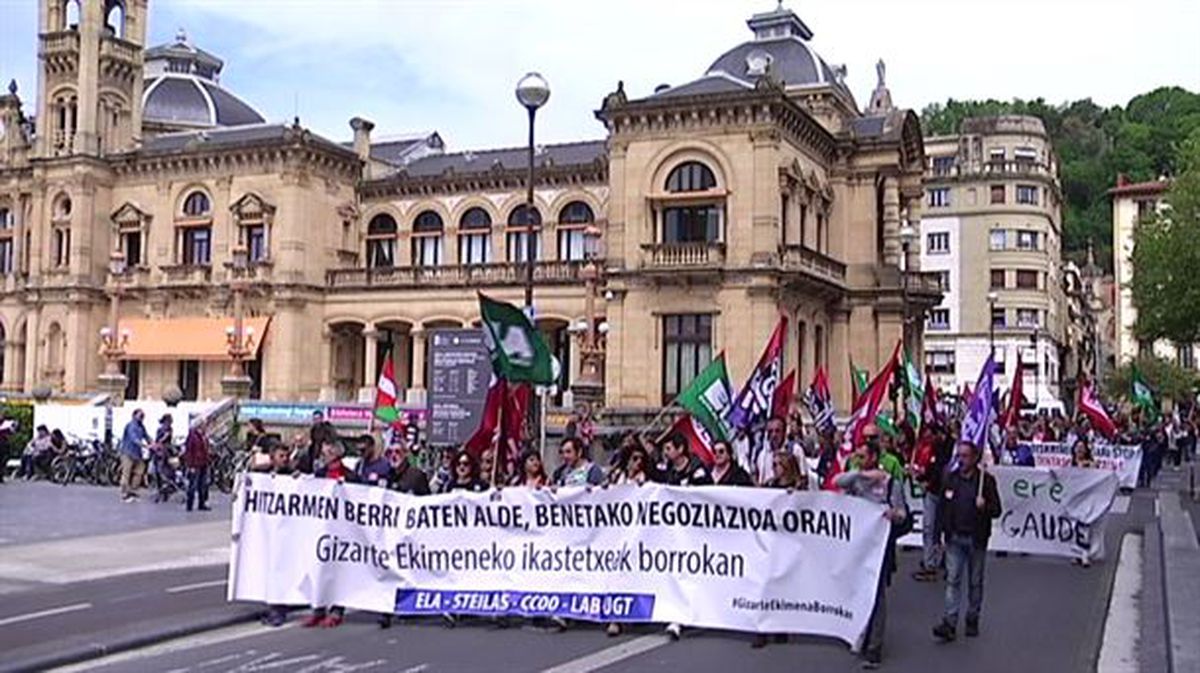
(1118, 652)
(198, 585)
(44, 613)
(225, 635)
(611, 655)
(1120, 505)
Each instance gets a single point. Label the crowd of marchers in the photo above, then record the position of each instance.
(961, 499)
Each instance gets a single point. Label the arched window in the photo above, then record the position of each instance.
(692, 222)
(427, 239)
(6, 218)
(55, 343)
(71, 14)
(475, 237)
(572, 227)
(520, 220)
(197, 204)
(114, 17)
(381, 242)
(691, 176)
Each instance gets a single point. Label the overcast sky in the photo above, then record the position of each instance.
(450, 65)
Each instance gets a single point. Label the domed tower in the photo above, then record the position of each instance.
(183, 91)
(91, 76)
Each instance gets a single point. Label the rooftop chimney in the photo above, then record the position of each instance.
(362, 142)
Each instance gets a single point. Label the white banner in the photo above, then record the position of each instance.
(719, 557)
(1054, 512)
(1123, 459)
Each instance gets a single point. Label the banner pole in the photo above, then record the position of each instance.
(498, 435)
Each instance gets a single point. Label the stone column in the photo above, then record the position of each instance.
(328, 390)
(9, 383)
(913, 261)
(416, 394)
(839, 356)
(891, 221)
(370, 362)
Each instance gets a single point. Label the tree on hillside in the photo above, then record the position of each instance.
(1166, 259)
(1143, 140)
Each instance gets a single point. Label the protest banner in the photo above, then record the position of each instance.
(1052, 512)
(1124, 459)
(718, 557)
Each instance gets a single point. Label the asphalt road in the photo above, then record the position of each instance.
(1040, 614)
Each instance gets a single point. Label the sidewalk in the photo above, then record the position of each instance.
(1178, 531)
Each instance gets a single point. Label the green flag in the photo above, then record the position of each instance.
(519, 353)
(1143, 396)
(883, 421)
(860, 378)
(914, 392)
(708, 398)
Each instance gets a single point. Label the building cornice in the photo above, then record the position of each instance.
(493, 179)
(766, 105)
(265, 154)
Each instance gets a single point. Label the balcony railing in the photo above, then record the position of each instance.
(799, 258)
(186, 274)
(60, 42)
(1007, 167)
(476, 275)
(683, 255)
(925, 282)
(118, 49)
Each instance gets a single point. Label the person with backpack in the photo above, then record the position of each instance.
(867, 480)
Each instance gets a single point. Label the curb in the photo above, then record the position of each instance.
(1181, 566)
(95, 650)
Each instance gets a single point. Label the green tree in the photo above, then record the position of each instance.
(1168, 380)
(1166, 259)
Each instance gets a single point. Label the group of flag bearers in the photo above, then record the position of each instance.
(714, 416)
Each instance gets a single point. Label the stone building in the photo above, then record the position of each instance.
(758, 189)
(992, 231)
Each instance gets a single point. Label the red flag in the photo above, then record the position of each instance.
(1091, 407)
(1016, 398)
(516, 404)
(485, 436)
(864, 412)
(699, 441)
(753, 403)
(929, 405)
(785, 394)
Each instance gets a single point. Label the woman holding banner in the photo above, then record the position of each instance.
(725, 470)
(1081, 454)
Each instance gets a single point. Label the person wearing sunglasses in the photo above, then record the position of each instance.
(634, 469)
(725, 470)
(465, 475)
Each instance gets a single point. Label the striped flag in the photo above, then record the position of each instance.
(386, 393)
(698, 438)
(819, 401)
(1090, 406)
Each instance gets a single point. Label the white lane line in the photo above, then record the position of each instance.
(44, 613)
(225, 635)
(1120, 505)
(611, 655)
(1118, 653)
(198, 585)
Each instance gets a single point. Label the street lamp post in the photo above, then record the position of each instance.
(532, 92)
(112, 339)
(992, 298)
(238, 337)
(908, 234)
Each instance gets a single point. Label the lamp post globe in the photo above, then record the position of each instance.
(533, 91)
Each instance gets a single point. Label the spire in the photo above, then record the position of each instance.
(12, 87)
(181, 36)
(881, 98)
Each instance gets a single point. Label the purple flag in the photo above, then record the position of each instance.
(753, 404)
(979, 412)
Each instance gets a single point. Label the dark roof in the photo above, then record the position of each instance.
(792, 62)
(1150, 187)
(176, 100)
(514, 158)
(180, 48)
(403, 150)
(230, 137)
(711, 83)
(188, 100)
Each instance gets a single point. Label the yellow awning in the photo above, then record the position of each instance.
(185, 338)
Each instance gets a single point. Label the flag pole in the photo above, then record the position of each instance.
(499, 434)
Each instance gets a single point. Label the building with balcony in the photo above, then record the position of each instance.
(1130, 202)
(144, 187)
(992, 231)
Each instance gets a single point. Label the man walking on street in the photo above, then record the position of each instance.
(134, 441)
(964, 520)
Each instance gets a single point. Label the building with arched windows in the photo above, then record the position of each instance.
(757, 190)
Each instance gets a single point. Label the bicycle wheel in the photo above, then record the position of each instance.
(61, 470)
(113, 471)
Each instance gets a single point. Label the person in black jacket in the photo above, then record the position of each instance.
(964, 521)
(927, 471)
(725, 470)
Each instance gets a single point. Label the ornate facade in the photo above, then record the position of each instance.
(757, 190)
